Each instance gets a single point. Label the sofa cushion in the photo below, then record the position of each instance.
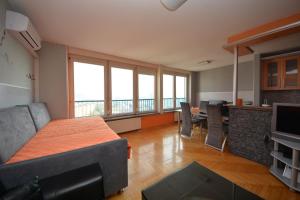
(16, 128)
(39, 114)
(64, 135)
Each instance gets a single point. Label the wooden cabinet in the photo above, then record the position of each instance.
(290, 73)
(271, 74)
(281, 73)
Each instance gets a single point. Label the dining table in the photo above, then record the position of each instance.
(195, 111)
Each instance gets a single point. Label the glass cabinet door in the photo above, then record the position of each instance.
(272, 74)
(272, 80)
(291, 72)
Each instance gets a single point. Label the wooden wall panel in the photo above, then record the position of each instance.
(264, 28)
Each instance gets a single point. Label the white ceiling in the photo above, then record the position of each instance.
(146, 31)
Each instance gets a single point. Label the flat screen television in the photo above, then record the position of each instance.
(286, 120)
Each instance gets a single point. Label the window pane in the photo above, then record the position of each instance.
(168, 91)
(146, 92)
(88, 89)
(180, 90)
(121, 90)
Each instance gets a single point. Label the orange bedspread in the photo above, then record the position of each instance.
(60, 136)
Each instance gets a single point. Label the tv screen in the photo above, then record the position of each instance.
(288, 119)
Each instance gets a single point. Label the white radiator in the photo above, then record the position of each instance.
(125, 125)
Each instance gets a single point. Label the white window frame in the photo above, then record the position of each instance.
(147, 71)
(93, 61)
(122, 66)
(137, 69)
(174, 74)
(186, 89)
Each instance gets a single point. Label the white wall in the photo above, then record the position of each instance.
(53, 84)
(15, 63)
(217, 84)
(3, 6)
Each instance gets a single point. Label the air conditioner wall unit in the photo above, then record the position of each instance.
(21, 27)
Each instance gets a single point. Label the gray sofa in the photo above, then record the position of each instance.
(19, 124)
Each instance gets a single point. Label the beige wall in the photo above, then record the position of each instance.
(53, 86)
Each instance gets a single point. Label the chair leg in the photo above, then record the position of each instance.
(186, 137)
(223, 144)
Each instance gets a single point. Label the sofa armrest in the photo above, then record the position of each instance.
(111, 156)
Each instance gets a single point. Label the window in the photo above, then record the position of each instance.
(180, 90)
(146, 93)
(88, 89)
(174, 90)
(111, 89)
(168, 91)
(121, 90)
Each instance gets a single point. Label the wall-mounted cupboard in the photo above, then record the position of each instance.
(281, 73)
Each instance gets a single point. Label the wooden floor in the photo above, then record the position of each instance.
(157, 152)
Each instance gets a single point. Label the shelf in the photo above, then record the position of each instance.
(287, 161)
(278, 173)
(279, 156)
(293, 145)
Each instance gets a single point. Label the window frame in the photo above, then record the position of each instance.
(71, 83)
(174, 92)
(108, 62)
(121, 66)
(174, 74)
(186, 89)
(152, 72)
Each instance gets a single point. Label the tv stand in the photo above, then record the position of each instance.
(293, 163)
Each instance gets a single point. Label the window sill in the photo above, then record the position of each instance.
(171, 110)
(128, 116)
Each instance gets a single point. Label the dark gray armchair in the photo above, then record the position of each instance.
(217, 130)
(187, 120)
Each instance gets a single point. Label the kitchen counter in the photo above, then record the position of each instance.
(258, 108)
(250, 132)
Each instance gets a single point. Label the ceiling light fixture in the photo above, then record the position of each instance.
(204, 62)
(172, 4)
